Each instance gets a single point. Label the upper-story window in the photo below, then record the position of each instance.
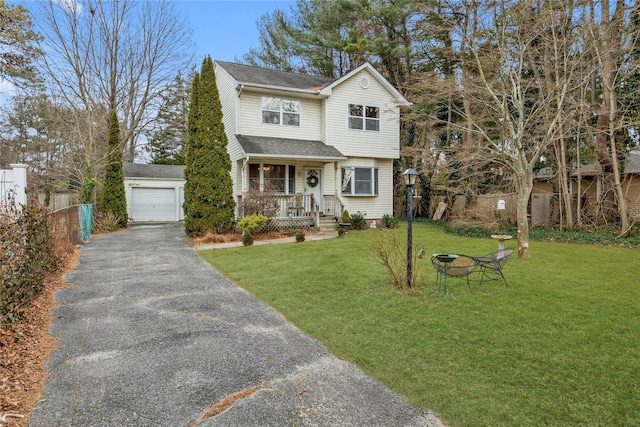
(364, 117)
(280, 111)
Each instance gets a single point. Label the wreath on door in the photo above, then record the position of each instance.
(312, 179)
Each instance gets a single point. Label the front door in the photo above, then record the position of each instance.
(313, 185)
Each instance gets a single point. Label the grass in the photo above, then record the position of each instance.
(559, 347)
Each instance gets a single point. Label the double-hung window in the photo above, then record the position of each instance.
(359, 181)
(280, 111)
(364, 117)
(272, 178)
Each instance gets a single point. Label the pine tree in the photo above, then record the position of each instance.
(18, 45)
(208, 191)
(113, 196)
(167, 141)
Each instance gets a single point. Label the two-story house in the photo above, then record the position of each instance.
(325, 145)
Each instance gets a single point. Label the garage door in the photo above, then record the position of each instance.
(153, 204)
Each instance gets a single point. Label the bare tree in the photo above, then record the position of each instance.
(515, 82)
(117, 55)
(610, 43)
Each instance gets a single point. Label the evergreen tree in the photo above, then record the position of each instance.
(113, 196)
(18, 45)
(167, 141)
(208, 191)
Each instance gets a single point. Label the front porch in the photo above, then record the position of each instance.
(301, 211)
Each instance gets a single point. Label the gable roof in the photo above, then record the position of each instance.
(138, 170)
(265, 147)
(379, 77)
(266, 77)
(275, 79)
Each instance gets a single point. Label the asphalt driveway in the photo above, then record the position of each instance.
(152, 335)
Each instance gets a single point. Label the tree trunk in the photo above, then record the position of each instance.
(522, 211)
(607, 50)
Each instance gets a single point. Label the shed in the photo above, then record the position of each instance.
(154, 192)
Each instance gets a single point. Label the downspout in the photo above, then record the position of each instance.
(245, 163)
(243, 181)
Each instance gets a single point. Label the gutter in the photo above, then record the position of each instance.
(245, 163)
(241, 86)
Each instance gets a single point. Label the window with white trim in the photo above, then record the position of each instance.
(359, 181)
(364, 117)
(269, 177)
(280, 111)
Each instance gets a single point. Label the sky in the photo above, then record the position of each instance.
(224, 29)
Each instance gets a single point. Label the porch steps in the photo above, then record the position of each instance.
(326, 224)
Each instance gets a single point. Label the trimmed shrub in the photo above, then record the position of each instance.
(252, 223)
(389, 221)
(358, 222)
(247, 239)
(300, 236)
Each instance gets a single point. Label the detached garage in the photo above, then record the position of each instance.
(154, 192)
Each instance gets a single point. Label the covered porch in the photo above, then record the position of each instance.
(297, 178)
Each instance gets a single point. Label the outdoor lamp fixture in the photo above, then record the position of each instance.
(409, 176)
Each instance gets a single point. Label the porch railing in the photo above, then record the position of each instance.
(302, 206)
(297, 205)
(332, 206)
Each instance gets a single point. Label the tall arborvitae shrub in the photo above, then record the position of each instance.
(113, 196)
(208, 191)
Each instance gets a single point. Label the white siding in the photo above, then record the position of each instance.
(230, 108)
(382, 144)
(14, 180)
(324, 119)
(250, 122)
(229, 100)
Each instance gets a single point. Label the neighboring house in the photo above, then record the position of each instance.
(590, 189)
(324, 144)
(631, 184)
(154, 192)
(13, 185)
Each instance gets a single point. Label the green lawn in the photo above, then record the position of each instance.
(559, 347)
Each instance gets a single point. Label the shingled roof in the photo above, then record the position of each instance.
(139, 170)
(633, 162)
(262, 146)
(249, 75)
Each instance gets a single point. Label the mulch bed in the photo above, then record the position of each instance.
(24, 349)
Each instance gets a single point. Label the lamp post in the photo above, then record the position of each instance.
(409, 176)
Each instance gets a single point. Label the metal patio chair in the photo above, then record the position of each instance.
(490, 266)
(453, 265)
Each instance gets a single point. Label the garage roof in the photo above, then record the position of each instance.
(139, 170)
